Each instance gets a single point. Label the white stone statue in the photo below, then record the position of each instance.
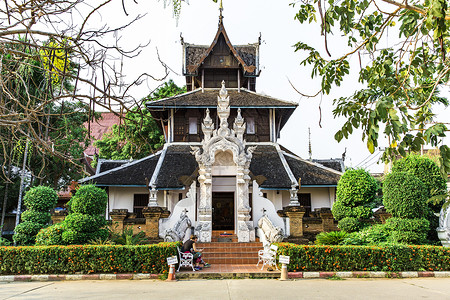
(444, 226)
(178, 232)
(272, 233)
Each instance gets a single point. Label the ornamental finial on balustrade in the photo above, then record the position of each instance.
(239, 125)
(207, 126)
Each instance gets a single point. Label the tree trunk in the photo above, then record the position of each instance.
(22, 179)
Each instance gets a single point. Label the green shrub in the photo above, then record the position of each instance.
(50, 236)
(40, 198)
(404, 195)
(330, 238)
(86, 259)
(89, 200)
(356, 187)
(373, 235)
(25, 233)
(36, 216)
(392, 258)
(349, 224)
(408, 231)
(84, 223)
(128, 237)
(426, 170)
(4, 242)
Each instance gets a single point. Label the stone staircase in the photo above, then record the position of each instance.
(226, 250)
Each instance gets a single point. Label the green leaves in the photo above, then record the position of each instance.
(402, 79)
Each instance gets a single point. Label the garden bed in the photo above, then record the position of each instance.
(393, 258)
(86, 259)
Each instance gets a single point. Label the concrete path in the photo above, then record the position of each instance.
(414, 288)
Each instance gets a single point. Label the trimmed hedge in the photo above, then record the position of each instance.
(86, 259)
(366, 258)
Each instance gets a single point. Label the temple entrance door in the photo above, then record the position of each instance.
(223, 211)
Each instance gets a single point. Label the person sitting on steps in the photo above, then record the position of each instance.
(190, 247)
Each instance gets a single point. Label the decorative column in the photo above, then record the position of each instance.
(118, 216)
(295, 215)
(327, 219)
(152, 215)
(204, 225)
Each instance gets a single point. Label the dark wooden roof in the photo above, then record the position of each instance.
(266, 164)
(195, 55)
(129, 174)
(208, 99)
(178, 166)
(332, 163)
(312, 173)
(106, 165)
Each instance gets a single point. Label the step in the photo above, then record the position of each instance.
(230, 252)
(231, 260)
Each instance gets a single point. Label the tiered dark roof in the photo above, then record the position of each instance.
(333, 163)
(266, 162)
(312, 173)
(208, 99)
(175, 167)
(195, 55)
(135, 173)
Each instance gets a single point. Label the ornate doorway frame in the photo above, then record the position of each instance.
(217, 141)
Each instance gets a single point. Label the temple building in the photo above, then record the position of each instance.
(221, 168)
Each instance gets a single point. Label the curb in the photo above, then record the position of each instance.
(291, 275)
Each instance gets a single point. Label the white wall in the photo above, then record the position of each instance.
(123, 197)
(320, 197)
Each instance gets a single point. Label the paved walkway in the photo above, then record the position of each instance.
(413, 288)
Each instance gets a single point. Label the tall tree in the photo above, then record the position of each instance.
(403, 78)
(51, 54)
(139, 135)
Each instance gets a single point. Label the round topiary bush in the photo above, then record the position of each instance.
(50, 236)
(40, 198)
(89, 200)
(426, 170)
(84, 223)
(356, 187)
(25, 233)
(36, 216)
(408, 231)
(404, 195)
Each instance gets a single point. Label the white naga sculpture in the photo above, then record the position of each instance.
(272, 233)
(178, 232)
(444, 226)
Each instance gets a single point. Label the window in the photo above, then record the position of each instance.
(140, 201)
(193, 126)
(180, 196)
(305, 201)
(250, 125)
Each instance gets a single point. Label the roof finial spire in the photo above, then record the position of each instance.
(220, 10)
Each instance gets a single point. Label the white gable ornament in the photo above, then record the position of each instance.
(217, 141)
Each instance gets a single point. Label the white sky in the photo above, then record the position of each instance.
(244, 20)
